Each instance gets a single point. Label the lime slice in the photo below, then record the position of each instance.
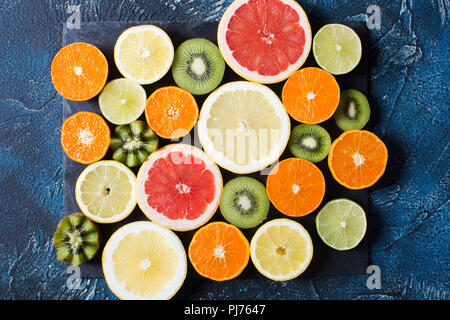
(337, 48)
(106, 191)
(143, 53)
(341, 224)
(122, 101)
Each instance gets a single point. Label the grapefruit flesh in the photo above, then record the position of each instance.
(179, 187)
(264, 40)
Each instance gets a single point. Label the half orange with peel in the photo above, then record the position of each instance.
(311, 95)
(79, 71)
(85, 137)
(296, 187)
(219, 251)
(357, 159)
(171, 112)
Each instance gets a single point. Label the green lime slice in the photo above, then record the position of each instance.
(341, 224)
(122, 101)
(337, 48)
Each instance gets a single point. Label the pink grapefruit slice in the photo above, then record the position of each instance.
(179, 187)
(264, 41)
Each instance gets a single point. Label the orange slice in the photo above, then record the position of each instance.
(296, 187)
(85, 137)
(311, 95)
(79, 71)
(171, 112)
(219, 251)
(357, 159)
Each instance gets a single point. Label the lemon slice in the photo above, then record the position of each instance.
(143, 53)
(142, 260)
(106, 191)
(243, 126)
(122, 101)
(281, 249)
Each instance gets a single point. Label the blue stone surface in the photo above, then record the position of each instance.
(409, 95)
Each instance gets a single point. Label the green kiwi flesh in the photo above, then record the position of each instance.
(353, 111)
(198, 66)
(310, 142)
(133, 143)
(76, 239)
(244, 202)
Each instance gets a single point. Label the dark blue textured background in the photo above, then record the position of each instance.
(409, 95)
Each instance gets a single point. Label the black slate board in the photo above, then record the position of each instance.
(326, 261)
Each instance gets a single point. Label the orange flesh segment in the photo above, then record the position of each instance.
(171, 112)
(311, 95)
(219, 251)
(85, 137)
(296, 187)
(79, 71)
(357, 159)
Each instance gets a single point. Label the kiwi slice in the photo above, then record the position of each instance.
(244, 202)
(76, 239)
(198, 66)
(133, 143)
(310, 142)
(353, 111)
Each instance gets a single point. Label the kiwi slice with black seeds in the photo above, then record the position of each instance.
(353, 111)
(76, 239)
(198, 66)
(244, 202)
(310, 142)
(133, 143)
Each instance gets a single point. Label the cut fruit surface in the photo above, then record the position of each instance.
(341, 224)
(122, 101)
(85, 137)
(244, 202)
(171, 112)
(143, 53)
(296, 187)
(79, 71)
(76, 239)
(219, 251)
(134, 267)
(198, 66)
(243, 126)
(281, 249)
(179, 187)
(133, 142)
(106, 191)
(310, 142)
(337, 48)
(264, 41)
(311, 95)
(353, 111)
(357, 159)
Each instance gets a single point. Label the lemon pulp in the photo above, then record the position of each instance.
(243, 126)
(144, 54)
(143, 258)
(247, 122)
(281, 249)
(105, 191)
